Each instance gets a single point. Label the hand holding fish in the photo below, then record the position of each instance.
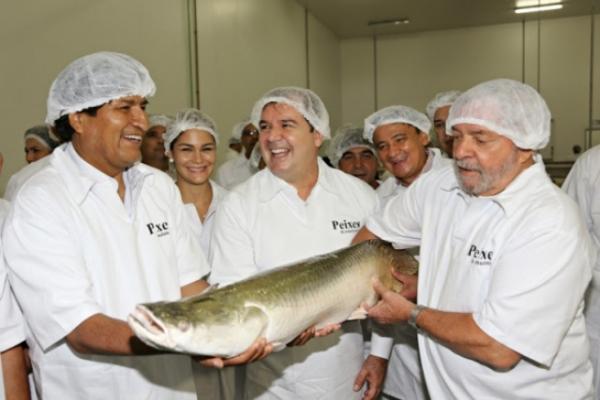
(311, 332)
(257, 351)
(409, 284)
(392, 308)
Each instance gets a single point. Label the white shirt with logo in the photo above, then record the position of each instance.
(263, 224)
(520, 262)
(404, 378)
(74, 249)
(234, 172)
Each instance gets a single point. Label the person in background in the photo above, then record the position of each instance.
(153, 143)
(38, 143)
(237, 170)
(401, 136)
(351, 153)
(13, 367)
(256, 159)
(498, 241)
(191, 141)
(234, 147)
(291, 210)
(95, 233)
(583, 185)
(437, 111)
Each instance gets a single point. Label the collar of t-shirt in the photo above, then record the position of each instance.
(515, 194)
(275, 185)
(82, 177)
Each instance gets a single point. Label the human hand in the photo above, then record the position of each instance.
(373, 372)
(311, 332)
(391, 308)
(409, 282)
(257, 351)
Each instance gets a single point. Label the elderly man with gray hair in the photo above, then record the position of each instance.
(499, 245)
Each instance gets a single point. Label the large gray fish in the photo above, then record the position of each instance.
(278, 304)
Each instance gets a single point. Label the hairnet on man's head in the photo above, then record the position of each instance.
(441, 99)
(159, 120)
(305, 101)
(346, 138)
(95, 79)
(396, 115)
(190, 118)
(507, 107)
(238, 128)
(42, 134)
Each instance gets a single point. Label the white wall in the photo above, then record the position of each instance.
(247, 47)
(38, 40)
(411, 68)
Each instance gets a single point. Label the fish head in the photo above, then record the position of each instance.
(198, 326)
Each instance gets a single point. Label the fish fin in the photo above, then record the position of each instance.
(278, 346)
(359, 313)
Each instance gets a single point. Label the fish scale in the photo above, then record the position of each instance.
(278, 304)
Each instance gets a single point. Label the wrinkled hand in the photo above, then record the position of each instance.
(373, 372)
(311, 332)
(392, 307)
(257, 351)
(410, 282)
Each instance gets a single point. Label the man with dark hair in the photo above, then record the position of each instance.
(93, 234)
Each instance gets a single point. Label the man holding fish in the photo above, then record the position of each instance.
(93, 234)
(505, 258)
(295, 208)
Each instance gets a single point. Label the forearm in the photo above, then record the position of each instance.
(363, 235)
(14, 374)
(459, 332)
(193, 288)
(101, 334)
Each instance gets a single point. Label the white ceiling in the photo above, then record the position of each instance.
(350, 18)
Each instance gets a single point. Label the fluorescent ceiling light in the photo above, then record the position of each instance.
(532, 3)
(547, 7)
(395, 21)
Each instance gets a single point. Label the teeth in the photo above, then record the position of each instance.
(278, 151)
(133, 137)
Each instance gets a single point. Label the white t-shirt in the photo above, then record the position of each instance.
(507, 259)
(74, 249)
(203, 231)
(12, 326)
(404, 377)
(234, 172)
(262, 224)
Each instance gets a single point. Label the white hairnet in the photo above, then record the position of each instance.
(395, 115)
(509, 108)
(42, 134)
(190, 118)
(159, 120)
(346, 138)
(96, 79)
(238, 128)
(441, 99)
(305, 101)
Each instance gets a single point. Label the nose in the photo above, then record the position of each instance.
(461, 147)
(139, 118)
(29, 157)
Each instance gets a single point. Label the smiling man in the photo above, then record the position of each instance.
(295, 208)
(354, 155)
(83, 248)
(499, 244)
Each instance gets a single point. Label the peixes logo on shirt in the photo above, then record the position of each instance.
(159, 228)
(345, 226)
(480, 257)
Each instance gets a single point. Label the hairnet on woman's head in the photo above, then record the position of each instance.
(396, 115)
(305, 101)
(42, 134)
(346, 138)
(507, 107)
(159, 120)
(190, 118)
(96, 79)
(441, 99)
